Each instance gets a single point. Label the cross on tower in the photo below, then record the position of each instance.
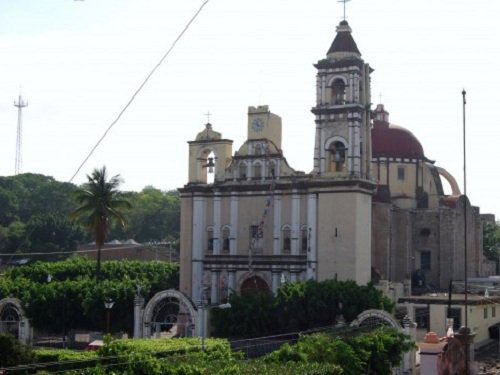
(343, 1)
(208, 116)
(380, 98)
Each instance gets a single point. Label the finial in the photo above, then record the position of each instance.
(343, 1)
(208, 116)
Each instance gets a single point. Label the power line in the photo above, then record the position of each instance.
(140, 88)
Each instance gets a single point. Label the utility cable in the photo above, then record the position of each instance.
(139, 89)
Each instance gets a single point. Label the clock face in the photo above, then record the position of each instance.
(258, 124)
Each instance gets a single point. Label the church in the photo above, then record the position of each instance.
(372, 208)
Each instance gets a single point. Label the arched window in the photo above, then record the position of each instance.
(286, 239)
(337, 157)
(257, 171)
(243, 171)
(225, 240)
(210, 240)
(304, 239)
(338, 91)
(271, 169)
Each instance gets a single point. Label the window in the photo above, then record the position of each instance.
(456, 316)
(255, 237)
(271, 169)
(243, 171)
(338, 91)
(493, 311)
(425, 260)
(425, 232)
(401, 173)
(210, 240)
(257, 171)
(287, 240)
(225, 240)
(304, 241)
(337, 157)
(257, 149)
(422, 317)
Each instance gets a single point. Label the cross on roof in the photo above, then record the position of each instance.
(208, 114)
(343, 1)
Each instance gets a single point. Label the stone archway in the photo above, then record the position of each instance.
(13, 320)
(254, 283)
(169, 313)
(374, 318)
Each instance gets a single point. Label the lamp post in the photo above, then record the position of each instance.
(108, 304)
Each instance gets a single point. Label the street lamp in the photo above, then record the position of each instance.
(108, 304)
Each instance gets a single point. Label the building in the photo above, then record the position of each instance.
(372, 207)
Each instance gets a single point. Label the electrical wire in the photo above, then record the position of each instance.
(140, 88)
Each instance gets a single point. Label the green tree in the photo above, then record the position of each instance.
(70, 298)
(296, 307)
(100, 202)
(13, 352)
(491, 242)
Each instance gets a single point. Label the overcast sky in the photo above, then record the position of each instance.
(78, 63)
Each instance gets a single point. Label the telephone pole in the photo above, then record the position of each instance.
(20, 104)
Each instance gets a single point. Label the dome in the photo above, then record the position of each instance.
(389, 140)
(208, 134)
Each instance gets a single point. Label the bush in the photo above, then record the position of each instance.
(13, 352)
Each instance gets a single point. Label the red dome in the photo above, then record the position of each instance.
(395, 141)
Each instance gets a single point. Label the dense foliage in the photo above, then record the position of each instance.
(491, 242)
(367, 352)
(173, 356)
(70, 298)
(358, 352)
(13, 352)
(34, 216)
(296, 307)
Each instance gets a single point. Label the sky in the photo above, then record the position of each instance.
(78, 63)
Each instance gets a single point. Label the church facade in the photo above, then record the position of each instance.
(372, 207)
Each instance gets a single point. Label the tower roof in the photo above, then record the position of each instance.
(344, 41)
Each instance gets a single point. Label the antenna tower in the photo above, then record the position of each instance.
(20, 104)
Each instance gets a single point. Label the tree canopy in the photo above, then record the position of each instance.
(296, 307)
(70, 298)
(35, 217)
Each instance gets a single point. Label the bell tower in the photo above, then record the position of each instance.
(342, 156)
(342, 111)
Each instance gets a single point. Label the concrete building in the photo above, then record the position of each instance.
(372, 207)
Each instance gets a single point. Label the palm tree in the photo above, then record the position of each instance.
(100, 202)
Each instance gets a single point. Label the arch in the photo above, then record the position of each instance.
(338, 85)
(169, 313)
(375, 317)
(257, 169)
(455, 189)
(206, 164)
(242, 170)
(336, 77)
(13, 319)
(248, 277)
(254, 284)
(336, 149)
